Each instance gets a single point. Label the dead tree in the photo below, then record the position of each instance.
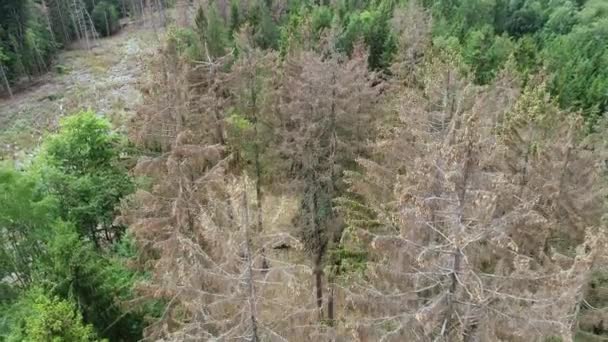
(457, 219)
(326, 121)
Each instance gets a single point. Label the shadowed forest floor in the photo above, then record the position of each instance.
(103, 79)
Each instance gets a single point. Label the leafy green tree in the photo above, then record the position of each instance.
(235, 16)
(27, 218)
(523, 21)
(80, 166)
(372, 27)
(592, 11)
(42, 317)
(321, 19)
(579, 64)
(265, 30)
(97, 281)
(184, 42)
(562, 19)
(486, 52)
(212, 31)
(526, 55)
(292, 35)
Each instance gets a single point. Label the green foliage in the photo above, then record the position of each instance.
(49, 217)
(579, 64)
(526, 55)
(25, 40)
(184, 42)
(291, 35)
(216, 35)
(344, 261)
(372, 27)
(321, 19)
(31, 31)
(560, 35)
(240, 135)
(80, 167)
(97, 282)
(486, 53)
(526, 20)
(562, 19)
(105, 18)
(38, 316)
(235, 16)
(212, 32)
(26, 220)
(265, 31)
(84, 144)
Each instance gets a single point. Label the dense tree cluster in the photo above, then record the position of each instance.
(350, 170)
(63, 263)
(360, 176)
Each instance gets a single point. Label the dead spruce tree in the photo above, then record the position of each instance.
(253, 119)
(411, 26)
(459, 211)
(327, 106)
(195, 224)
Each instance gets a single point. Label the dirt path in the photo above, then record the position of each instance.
(103, 79)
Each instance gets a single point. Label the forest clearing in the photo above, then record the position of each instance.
(103, 78)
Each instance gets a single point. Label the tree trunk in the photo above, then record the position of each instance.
(330, 303)
(451, 320)
(5, 79)
(105, 16)
(318, 274)
(249, 276)
(46, 10)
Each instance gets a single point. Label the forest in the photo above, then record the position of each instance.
(297, 170)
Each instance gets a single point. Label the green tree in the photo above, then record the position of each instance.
(105, 18)
(41, 317)
(26, 220)
(562, 19)
(212, 31)
(485, 53)
(265, 30)
(80, 166)
(97, 281)
(579, 65)
(372, 27)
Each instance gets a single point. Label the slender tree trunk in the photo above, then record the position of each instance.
(249, 276)
(318, 274)
(105, 16)
(333, 150)
(66, 33)
(124, 8)
(330, 303)
(253, 97)
(318, 256)
(161, 8)
(451, 320)
(46, 10)
(143, 12)
(5, 79)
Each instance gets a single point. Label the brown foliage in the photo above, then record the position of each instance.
(475, 211)
(465, 204)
